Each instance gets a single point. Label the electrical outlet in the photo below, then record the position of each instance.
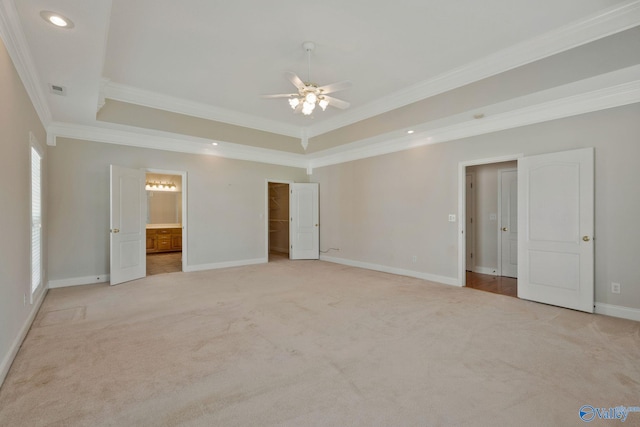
(615, 288)
(452, 218)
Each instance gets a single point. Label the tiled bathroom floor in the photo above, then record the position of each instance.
(168, 262)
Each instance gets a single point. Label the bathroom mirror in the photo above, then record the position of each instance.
(164, 207)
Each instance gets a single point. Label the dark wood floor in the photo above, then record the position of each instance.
(277, 256)
(495, 284)
(167, 262)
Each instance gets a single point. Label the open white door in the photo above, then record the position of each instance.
(128, 225)
(508, 195)
(305, 214)
(556, 211)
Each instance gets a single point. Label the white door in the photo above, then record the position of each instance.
(305, 214)
(556, 211)
(470, 213)
(128, 225)
(508, 222)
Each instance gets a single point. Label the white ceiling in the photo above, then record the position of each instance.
(222, 55)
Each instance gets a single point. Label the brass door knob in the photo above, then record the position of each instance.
(504, 229)
(115, 230)
(586, 238)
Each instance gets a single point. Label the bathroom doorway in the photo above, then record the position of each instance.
(166, 221)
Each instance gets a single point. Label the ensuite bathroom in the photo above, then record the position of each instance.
(164, 223)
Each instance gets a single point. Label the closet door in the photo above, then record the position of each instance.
(304, 227)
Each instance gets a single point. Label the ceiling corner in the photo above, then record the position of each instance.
(15, 41)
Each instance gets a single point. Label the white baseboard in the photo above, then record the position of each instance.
(485, 270)
(78, 281)
(17, 342)
(102, 278)
(393, 270)
(618, 311)
(225, 264)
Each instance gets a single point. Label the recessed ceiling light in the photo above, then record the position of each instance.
(56, 19)
(410, 132)
(214, 143)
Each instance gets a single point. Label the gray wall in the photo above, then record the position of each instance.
(385, 210)
(225, 204)
(17, 119)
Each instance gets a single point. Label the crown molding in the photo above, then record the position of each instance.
(601, 92)
(606, 22)
(16, 44)
(598, 93)
(130, 94)
(157, 140)
(602, 24)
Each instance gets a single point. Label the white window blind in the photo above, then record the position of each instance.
(36, 219)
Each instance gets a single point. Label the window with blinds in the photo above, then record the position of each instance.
(36, 219)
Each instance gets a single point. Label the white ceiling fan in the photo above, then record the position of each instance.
(310, 94)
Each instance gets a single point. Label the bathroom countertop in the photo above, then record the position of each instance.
(152, 226)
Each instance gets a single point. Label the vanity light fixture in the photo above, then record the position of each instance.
(160, 186)
(57, 19)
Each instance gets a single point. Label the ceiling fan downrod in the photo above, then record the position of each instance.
(309, 47)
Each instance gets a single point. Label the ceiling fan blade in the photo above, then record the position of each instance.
(338, 103)
(298, 109)
(297, 81)
(280, 95)
(335, 87)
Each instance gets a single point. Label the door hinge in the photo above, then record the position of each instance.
(471, 255)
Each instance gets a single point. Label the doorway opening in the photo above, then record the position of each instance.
(165, 222)
(278, 241)
(488, 220)
(555, 204)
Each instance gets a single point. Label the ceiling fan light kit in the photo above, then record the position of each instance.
(310, 94)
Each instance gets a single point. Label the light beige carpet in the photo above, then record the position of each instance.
(310, 343)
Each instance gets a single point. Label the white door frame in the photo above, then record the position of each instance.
(182, 174)
(266, 213)
(500, 171)
(462, 211)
